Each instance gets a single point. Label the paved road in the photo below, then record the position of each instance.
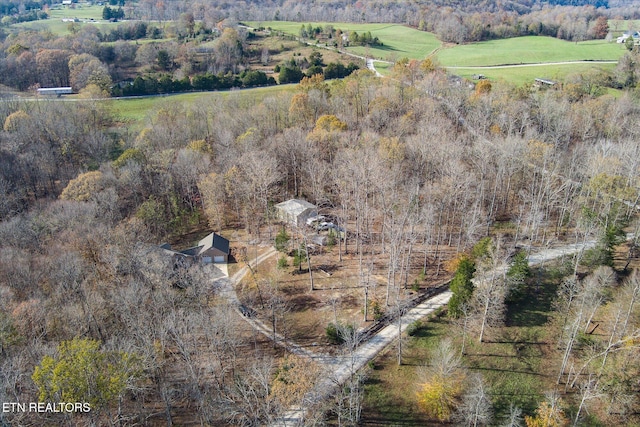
(343, 367)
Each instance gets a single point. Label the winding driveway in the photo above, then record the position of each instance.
(341, 368)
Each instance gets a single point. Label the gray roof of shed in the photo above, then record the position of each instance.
(295, 206)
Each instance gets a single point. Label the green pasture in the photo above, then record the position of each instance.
(398, 41)
(56, 26)
(383, 68)
(519, 75)
(135, 109)
(528, 50)
(80, 12)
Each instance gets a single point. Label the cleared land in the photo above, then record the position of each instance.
(528, 50)
(398, 41)
(80, 12)
(136, 108)
(545, 54)
(526, 74)
(58, 27)
(515, 360)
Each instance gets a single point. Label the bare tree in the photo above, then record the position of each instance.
(491, 287)
(475, 407)
(588, 390)
(514, 419)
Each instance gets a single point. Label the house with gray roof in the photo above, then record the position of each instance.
(213, 248)
(296, 212)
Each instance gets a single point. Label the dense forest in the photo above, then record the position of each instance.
(431, 178)
(84, 204)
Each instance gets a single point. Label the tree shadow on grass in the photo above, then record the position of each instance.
(535, 305)
(424, 331)
(384, 47)
(511, 371)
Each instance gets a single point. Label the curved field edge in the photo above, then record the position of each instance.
(527, 74)
(398, 40)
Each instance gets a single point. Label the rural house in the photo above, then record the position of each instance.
(213, 248)
(296, 212)
(623, 38)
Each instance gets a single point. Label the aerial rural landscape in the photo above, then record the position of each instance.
(319, 213)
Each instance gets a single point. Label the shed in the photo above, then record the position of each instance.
(54, 91)
(296, 212)
(543, 81)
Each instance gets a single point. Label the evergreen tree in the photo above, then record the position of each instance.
(461, 286)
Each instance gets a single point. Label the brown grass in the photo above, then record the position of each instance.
(337, 293)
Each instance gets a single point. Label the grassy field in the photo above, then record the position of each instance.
(528, 50)
(58, 27)
(399, 41)
(80, 12)
(136, 109)
(383, 68)
(521, 75)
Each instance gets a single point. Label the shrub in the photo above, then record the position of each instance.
(331, 239)
(336, 332)
(283, 262)
(282, 241)
(299, 256)
(413, 327)
(377, 309)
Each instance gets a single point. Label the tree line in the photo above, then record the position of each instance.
(458, 22)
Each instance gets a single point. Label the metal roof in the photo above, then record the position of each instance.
(295, 206)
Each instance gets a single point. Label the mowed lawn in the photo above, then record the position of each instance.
(398, 41)
(528, 50)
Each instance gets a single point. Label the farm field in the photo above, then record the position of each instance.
(135, 109)
(383, 68)
(528, 50)
(399, 41)
(80, 12)
(58, 27)
(526, 74)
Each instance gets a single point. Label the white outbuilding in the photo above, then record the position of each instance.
(296, 212)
